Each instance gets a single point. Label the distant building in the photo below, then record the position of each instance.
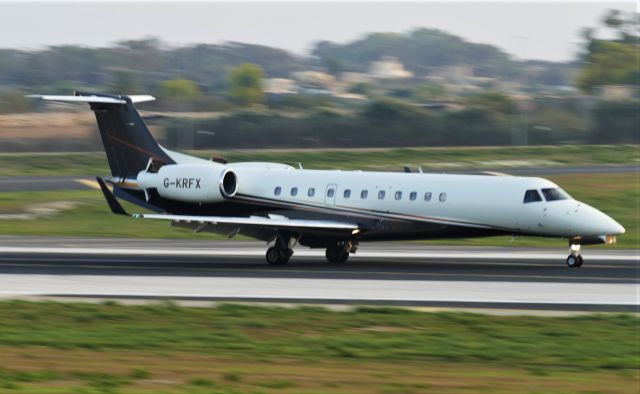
(315, 80)
(616, 92)
(351, 78)
(280, 86)
(456, 73)
(388, 68)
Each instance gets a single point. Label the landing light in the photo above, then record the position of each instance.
(356, 231)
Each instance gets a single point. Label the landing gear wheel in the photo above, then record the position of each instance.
(574, 260)
(277, 256)
(337, 254)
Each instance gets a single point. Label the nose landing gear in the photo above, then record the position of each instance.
(575, 258)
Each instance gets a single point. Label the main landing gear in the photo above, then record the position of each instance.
(280, 253)
(575, 258)
(282, 250)
(278, 256)
(339, 253)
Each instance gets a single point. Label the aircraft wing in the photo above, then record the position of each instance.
(275, 222)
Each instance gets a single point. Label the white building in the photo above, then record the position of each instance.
(388, 68)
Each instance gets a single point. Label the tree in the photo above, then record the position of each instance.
(124, 83)
(615, 61)
(493, 101)
(181, 93)
(245, 84)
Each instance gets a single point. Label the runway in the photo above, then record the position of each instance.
(387, 274)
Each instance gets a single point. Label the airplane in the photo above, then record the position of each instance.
(334, 210)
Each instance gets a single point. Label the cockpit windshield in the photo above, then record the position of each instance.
(554, 194)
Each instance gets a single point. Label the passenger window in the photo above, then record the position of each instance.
(427, 196)
(294, 191)
(364, 194)
(331, 192)
(398, 195)
(532, 196)
(311, 192)
(443, 197)
(277, 190)
(347, 193)
(381, 194)
(413, 196)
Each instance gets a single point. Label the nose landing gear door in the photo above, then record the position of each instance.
(330, 194)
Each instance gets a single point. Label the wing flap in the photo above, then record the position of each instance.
(279, 222)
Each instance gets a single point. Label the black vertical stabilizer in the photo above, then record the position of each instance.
(127, 142)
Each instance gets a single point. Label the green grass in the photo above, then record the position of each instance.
(585, 342)
(236, 348)
(616, 194)
(378, 159)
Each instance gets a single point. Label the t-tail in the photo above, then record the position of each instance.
(129, 145)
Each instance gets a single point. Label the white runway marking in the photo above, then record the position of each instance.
(252, 252)
(321, 289)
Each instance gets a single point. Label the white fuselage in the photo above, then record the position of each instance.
(470, 201)
(464, 200)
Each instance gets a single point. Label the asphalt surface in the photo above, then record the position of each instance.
(388, 273)
(35, 183)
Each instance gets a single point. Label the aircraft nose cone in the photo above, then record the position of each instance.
(600, 222)
(615, 228)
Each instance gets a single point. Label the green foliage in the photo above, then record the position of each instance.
(428, 92)
(610, 63)
(613, 61)
(180, 90)
(602, 342)
(124, 82)
(616, 122)
(360, 88)
(420, 51)
(245, 84)
(493, 101)
(180, 95)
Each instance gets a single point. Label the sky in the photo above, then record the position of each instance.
(543, 30)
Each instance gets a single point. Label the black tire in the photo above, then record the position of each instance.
(336, 254)
(574, 260)
(275, 257)
(344, 257)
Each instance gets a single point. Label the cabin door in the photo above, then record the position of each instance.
(330, 194)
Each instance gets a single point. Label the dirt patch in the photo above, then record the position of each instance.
(42, 210)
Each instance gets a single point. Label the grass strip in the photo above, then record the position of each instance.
(82, 164)
(234, 348)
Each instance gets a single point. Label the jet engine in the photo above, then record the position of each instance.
(190, 182)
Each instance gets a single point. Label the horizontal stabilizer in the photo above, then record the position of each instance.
(94, 99)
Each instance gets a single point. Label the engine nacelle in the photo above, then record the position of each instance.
(191, 182)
